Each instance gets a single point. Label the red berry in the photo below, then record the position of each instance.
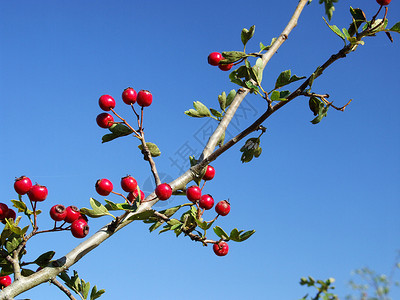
(133, 195)
(11, 214)
(22, 185)
(73, 214)
(221, 248)
(3, 211)
(193, 193)
(144, 98)
(5, 281)
(79, 228)
(206, 202)
(214, 58)
(225, 67)
(106, 102)
(37, 193)
(128, 184)
(163, 191)
(223, 208)
(209, 174)
(58, 212)
(104, 187)
(383, 2)
(129, 96)
(105, 120)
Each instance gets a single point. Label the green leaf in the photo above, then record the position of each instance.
(253, 88)
(396, 27)
(257, 70)
(201, 109)
(285, 78)
(117, 130)
(204, 224)
(222, 101)
(321, 114)
(358, 19)
(193, 113)
(346, 33)
(234, 236)
(257, 152)
(85, 288)
(98, 210)
(244, 236)
(247, 34)
(216, 113)
(117, 206)
(230, 97)
(266, 48)
(13, 244)
(94, 294)
(20, 205)
(329, 7)
(14, 228)
(221, 233)
(232, 56)
(336, 30)
(315, 105)
(279, 96)
(142, 216)
(154, 150)
(44, 259)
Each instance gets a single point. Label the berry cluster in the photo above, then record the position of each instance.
(129, 96)
(128, 183)
(206, 202)
(215, 58)
(38, 193)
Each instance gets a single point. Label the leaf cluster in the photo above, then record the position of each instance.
(80, 286)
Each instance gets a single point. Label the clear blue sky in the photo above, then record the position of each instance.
(324, 199)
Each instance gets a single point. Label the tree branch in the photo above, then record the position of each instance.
(62, 288)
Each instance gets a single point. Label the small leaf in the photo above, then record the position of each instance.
(279, 96)
(94, 294)
(142, 216)
(336, 30)
(232, 56)
(257, 152)
(20, 205)
(246, 34)
(154, 151)
(98, 209)
(246, 235)
(193, 113)
(201, 109)
(230, 97)
(234, 236)
(315, 105)
(221, 233)
(222, 101)
(258, 70)
(396, 27)
(117, 130)
(266, 48)
(216, 113)
(44, 259)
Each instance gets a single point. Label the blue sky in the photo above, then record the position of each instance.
(323, 199)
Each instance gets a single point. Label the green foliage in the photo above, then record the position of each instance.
(154, 150)
(117, 130)
(250, 149)
(80, 287)
(322, 287)
(98, 210)
(319, 109)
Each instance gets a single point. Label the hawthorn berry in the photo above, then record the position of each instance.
(73, 214)
(3, 211)
(37, 193)
(129, 96)
(79, 228)
(206, 202)
(11, 214)
(214, 58)
(133, 195)
(144, 98)
(383, 2)
(104, 187)
(106, 102)
(209, 174)
(163, 191)
(193, 193)
(5, 281)
(128, 184)
(221, 248)
(223, 208)
(105, 120)
(225, 67)
(58, 212)
(22, 185)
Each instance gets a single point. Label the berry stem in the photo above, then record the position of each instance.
(119, 194)
(126, 123)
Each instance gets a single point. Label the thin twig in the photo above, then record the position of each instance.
(62, 288)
